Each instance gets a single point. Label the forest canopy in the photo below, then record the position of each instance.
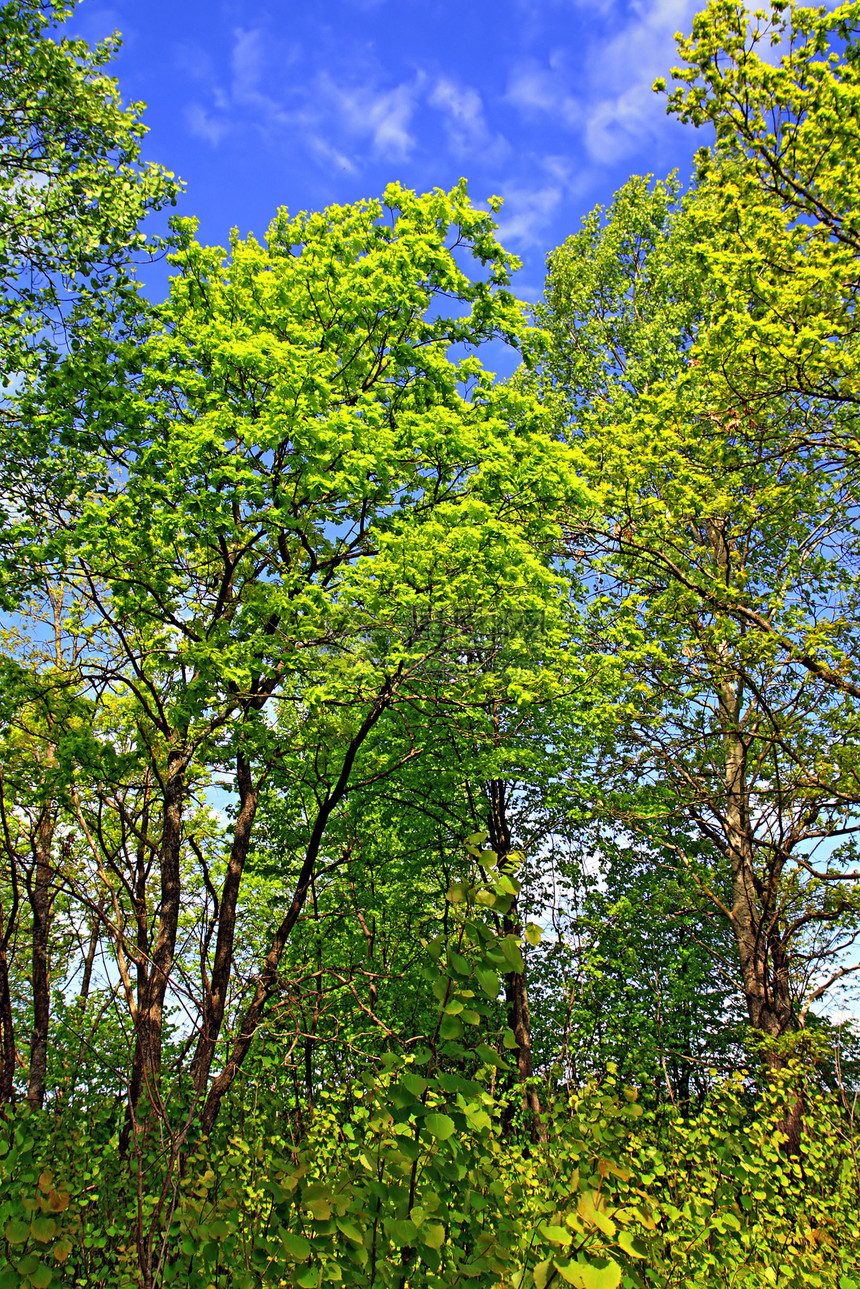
(428, 802)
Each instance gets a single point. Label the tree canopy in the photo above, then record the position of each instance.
(428, 802)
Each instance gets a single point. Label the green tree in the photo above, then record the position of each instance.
(722, 592)
(309, 486)
(73, 195)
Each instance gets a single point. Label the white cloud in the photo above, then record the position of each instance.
(527, 212)
(613, 109)
(330, 156)
(619, 121)
(530, 209)
(247, 64)
(536, 89)
(203, 125)
(347, 113)
(463, 109)
(363, 111)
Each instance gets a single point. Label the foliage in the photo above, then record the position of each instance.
(73, 196)
(407, 779)
(723, 601)
(418, 1182)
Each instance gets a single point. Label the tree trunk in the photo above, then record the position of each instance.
(153, 981)
(763, 961)
(268, 974)
(7, 1028)
(7, 930)
(516, 991)
(765, 980)
(215, 995)
(41, 894)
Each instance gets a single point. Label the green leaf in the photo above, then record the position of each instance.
(478, 1118)
(542, 1273)
(489, 981)
(318, 1200)
(17, 1231)
(440, 1125)
(402, 1231)
(533, 933)
(43, 1228)
(458, 963)
(605, 1274)
(432, 1234)
(450, 1027)
(296, 1246)
(41, 1277)
(490, 1057)
(556, 1234)
(512, 953)
(590, 1210)
(632, 1244)
(61, 1250)
(349, 1230)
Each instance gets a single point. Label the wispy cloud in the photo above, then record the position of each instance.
(537, 88)
(331, 116)
(204, 125)
(612, 108)
(532, 206)
(246, 64)
(527, 212)
(367, 112)
(627, 113)
(463, 111)
(543, 132)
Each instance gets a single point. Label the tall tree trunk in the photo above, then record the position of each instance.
(763, 961)
(154, 978)
(41, 893)
(753, 911)
(215, 994)
(7, 1026)
(516, 992)
(7, 930)
(268, 974)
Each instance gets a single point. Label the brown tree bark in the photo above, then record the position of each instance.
(40, 888)
(764, 969)
(516, 991)
(268, 975)
(7, 930)
(7, 1027)
(215, 991)
(754, 916)
(154, 976)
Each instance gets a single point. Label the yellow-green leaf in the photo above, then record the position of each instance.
(433, 1235)
(440, 1125)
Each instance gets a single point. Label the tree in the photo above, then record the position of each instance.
(305, 479)
(778, 232)
(73, 195)
(722, 602)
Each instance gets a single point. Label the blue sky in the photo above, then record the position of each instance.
(546, 103)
